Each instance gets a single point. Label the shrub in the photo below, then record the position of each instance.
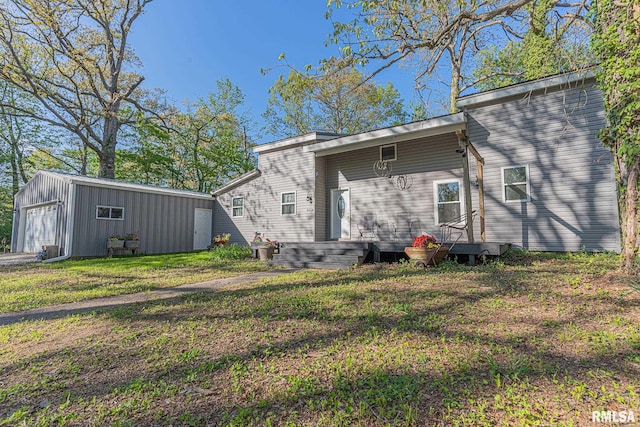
(220, 253)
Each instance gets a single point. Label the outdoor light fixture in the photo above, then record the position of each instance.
(309, 198)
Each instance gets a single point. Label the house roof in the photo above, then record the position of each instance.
(424, 128)
(123, 185)
(246, 177)
(522, 89)
(296, 140)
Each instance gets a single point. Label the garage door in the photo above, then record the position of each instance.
(40, 227)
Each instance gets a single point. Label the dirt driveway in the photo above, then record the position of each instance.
(16, 259)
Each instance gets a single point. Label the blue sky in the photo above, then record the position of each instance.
(186, 45)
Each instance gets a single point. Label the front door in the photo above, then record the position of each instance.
(340, 214)
(202, 222)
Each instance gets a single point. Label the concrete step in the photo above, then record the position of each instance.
(318, 265)
(331, 258)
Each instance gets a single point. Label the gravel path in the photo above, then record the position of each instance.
(62, 310)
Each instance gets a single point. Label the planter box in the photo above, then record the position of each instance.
(426, 256)
(133, 244)
(115, 244)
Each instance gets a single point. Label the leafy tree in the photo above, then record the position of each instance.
(148, 160)
(6, 213)
(210, 140)
(19, 135)
(334, 101)
(428, 33)
(617, 44)
(550, 45)
(72, 56)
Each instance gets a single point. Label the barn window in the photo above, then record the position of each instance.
(515, 184)
(238, 207)
(109, 212)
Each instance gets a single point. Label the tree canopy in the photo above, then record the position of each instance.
(427, 34)
(72, 56)
(334, 100)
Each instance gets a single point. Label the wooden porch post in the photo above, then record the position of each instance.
(466, 182)
(466, 145)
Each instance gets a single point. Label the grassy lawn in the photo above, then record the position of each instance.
(530, 340)
(34, 285)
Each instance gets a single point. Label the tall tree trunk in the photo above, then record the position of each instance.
(108, 154)
(15, 178)
(630, 218)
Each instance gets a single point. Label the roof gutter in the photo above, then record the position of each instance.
(70, 225)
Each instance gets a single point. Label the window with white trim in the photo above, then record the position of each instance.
(110, 212)
(515, 184)
(237, 207)
(288, 203)
(448, 200)
(388, 153)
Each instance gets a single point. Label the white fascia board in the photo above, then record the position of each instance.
(496, 95)
(425, 128)
(296, 140)
(119, 185)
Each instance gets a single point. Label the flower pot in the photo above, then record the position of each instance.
(265, 253)
(115, 243)
(426, 256)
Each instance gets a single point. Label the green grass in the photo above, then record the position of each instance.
(521, 342)
(36, 285)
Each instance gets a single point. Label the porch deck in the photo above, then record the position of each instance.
(343, 254)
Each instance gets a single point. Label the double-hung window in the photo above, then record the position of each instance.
(448, 201)
(237, 207)
(288, 203)
(515, 184)
(109, 212)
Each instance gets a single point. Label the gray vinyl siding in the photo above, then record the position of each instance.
(423, 161)
(321, 200)
(282, 171)
(40, 189)
(165, 222)
(572, 186)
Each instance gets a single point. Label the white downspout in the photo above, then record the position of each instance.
(71, 210)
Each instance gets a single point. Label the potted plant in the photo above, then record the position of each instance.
(221, 239)
(426, 250)
(266, 249)
(132, 240)
(115, 242)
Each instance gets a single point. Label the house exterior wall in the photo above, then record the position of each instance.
(39, 190)
(573, 202)
(284, 170)
(422, 161)
(165, 222)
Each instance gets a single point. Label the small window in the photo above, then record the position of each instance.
(448, 200)
(388, 153)
(238, 207)
(109, 212)
(288, 203)
(515, 183)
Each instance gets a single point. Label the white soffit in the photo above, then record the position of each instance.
(424, 128)
(296, 140)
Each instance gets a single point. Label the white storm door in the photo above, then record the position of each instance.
(201, 228)
(340, 214)
(40, 227)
